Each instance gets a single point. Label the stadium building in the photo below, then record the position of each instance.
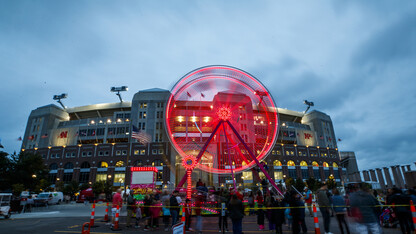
(94, 143)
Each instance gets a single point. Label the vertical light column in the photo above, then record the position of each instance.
(380, 178)
(388, 177)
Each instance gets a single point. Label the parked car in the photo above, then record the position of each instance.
(5, 199)
(49, 198)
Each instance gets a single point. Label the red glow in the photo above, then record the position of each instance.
(224, 113)
(144, 169)
(189, 162)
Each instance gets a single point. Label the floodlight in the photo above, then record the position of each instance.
(59, 97)
(309, 104)
(117, 90)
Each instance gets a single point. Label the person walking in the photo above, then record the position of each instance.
(340, 210)
(165, 209)
(117, 201)
(174, 207)
(278, 214)
(236, 210)
(324, 206)
(297, 212)
(131, 206)
(363, 209)
(308, 200)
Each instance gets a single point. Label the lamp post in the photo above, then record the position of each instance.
(117, 90)
(59, 97)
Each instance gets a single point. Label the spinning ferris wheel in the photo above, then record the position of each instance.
(225, 115)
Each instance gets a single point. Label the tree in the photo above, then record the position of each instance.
(84, 186)
(27, 169)
(18, 189)
(331, 183)
(71, 188)
(313, 184)
(5, 166)
(289, 181)
(101, 187)
(44, 185)
(59, 185)
(299, 185)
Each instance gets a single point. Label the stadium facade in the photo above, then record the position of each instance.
(94, 143)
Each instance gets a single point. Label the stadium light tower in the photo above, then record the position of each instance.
(117, 90)
(309, 104)
(59, 97)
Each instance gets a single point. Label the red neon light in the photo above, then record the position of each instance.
(224, 113)
(189, 187)
(189, 162)
(144, 169)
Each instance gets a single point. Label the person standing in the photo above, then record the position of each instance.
(131, 205)
(174, 207)
(402, 209)
(198, 203)
(117, 201)
(340, 210)
(251, 203)
(222, 220)
(308, 200)
(278, 214)
(236, 210)
(324, 206)
(363, 209)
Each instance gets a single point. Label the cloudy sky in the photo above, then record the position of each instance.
(355, 59)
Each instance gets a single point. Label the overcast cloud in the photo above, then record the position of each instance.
(355, 60)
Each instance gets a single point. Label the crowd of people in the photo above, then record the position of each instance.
(365, 207)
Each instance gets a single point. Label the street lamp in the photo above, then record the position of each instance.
(33, 176)
(117, 90)
(59, 97)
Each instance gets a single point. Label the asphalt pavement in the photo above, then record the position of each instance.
(68, 218)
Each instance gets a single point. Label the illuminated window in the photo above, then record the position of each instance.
(325, 164)
(303, 164)
(278, 175)
(136, 152)
(138, 163)
(118, 152)
(334, 164)
(103, 164)
(120, 164)
(247, 175)
(315, 164)
(101, 176)
(142, 152)
(290, 163)
(277, 163)
(119, 177)
(157, 162)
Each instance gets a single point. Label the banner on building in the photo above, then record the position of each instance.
(306, 137)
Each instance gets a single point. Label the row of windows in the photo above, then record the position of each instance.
(103, 164)
(107, 153)
(300, 153)
(143, 105)
(303, 164)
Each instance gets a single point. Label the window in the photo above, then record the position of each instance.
(157, 162)
(158, 137)
(326, 172)
(84, 177)
(53, 166)
(138, 163)
(159, 176)
(315, 164)
(68, 155)
(142, 115)
(119, 115)
(159, 125)
(154, 151)
(84, 154)
(247, 175)
(73, 155)
(325, 164)
(287, 152)
(124, 152)
(142, 126)
(317, 174)
(159, 105)
(103, 164)
(142, 152)
(303, 164)
(136, 152)
(121, 130)
(305, 174)
(277, 163)
(52, 156)
(91, 132)
(52, 178)
(85, 165)
(278, 175)
(290, 163)
(334, 164)
(101, 153)
(106, 153)
(118, 152)
(159, 114)
(292, 173)
(57, 155)
(101, 176)
(83, 132)
(160, 151)
(143, 105)
(67, 177)
(69, 166)
(89, 153)
(127, 115)
(120, 164)
(111, 131)
(100, 131)
(119, 177)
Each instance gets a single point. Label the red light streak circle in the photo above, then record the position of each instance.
(209, 94)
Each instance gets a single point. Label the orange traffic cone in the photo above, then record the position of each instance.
(92, 216)
(116, 227)
(315, 220)
(106, 214)
(412, 208)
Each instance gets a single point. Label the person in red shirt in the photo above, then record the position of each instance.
(117, 201)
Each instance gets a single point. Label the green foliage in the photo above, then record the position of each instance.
(43, 185)
(5, 167)
(59, 185)
(313, 184)
(289, 181)
(299, 185)
(71, 188)
(101, 187)
(331, 183)
(18, 189)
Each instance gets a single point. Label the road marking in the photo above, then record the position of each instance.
(80, 232)
(74, 226)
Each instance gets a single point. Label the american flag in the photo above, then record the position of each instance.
(142, 137)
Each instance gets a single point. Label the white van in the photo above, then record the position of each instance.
(49, 198)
